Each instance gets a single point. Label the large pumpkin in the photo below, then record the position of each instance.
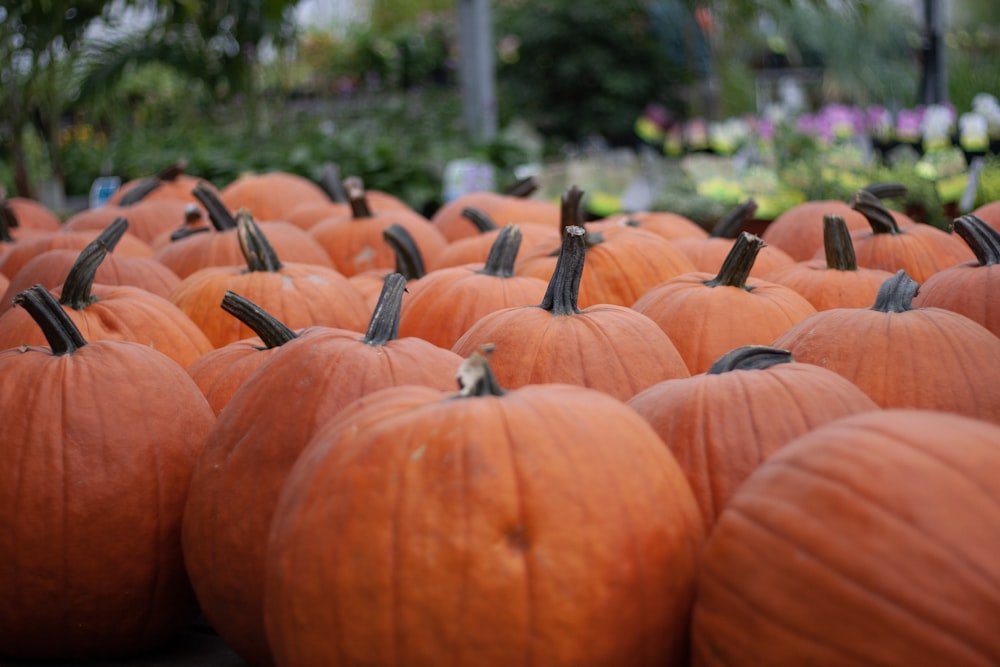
(721, 424)
(871, 540)
(259, 435)
(905, 357)
(96, 454)
(607, 347)
(546, 525)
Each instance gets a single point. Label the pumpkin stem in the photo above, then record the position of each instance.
(503, 253)
(384, 325)
(61, 334)
(476, 378)
(218, 214)
(257, 250)
(562, 295)
(738, 263)
(896, 294)
(731, 223)
(271, 331)
(8, 221)
(983, 239)
(887, 190)
(523, 187)
(479, 218)
(76, 289)
(332, 184)
(409, 260)
(357, 198)
(750, 358)
(878, 216)
(838, 244)
(139, 191)
(192, 216)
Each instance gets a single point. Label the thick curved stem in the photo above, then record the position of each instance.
(257, 250)
(332, 184)
(270, 330)
(731, 223)
(523, 187)
(357, 198)
(887, 190)
(478, 217)
(384, 325)
(738, 263)
(838, 245)
(983, 239)
(140, 191)
(503, 253)
(76, 289)
(562, 295)
(61, 334)
(218, 214)
(878, 216)
(896, 294)
(192, 216)
(750, 358)
(409, 260)
(476, 378)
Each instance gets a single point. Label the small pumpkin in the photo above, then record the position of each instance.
(515, 204)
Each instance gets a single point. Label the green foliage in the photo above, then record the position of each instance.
(579, 67)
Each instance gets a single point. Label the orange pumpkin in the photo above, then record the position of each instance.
(834, 282)
(95, 464)
(271, 196)
(870, 540)
(171, 183)
(299, 295)
(708, 315)
(905, 357)
(606, 347)
(27, 248)
(256, 440)
(472, 249)
(969, 288)
(754, 389)
(545, 525)
(514, 205)
(989, 213)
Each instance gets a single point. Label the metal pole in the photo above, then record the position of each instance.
(476, 68)
(935, 74)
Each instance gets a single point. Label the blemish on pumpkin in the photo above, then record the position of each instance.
(366, 255)
(418, 453)
(517, 539)
(287, 283)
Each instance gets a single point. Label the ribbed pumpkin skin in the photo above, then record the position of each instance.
(720, 427)
(925, 358)
(220, 372)
(871, 540)
(921, 250)
(254, 443)
(799, 230)
(969, 289)
(95, 462)
(827, 288)
(501, 208)
(147, 219)
(271, 196)
(548, 526)
(20, 253)
(990, 213)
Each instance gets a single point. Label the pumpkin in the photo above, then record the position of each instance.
(905, 357)
(409, 263)
(220, 373)
(258, 437)
(721, 424)
(148, 220)
(472, 249)
(192, 249)
(919, 249)
(513, 205)
(671, 226)
(271, 195)
(95, 463)
(969, 288)
(171, 183)
(870, 540)
(989, 213)
(27, 214)
(708, 315)
(355, 243)
(445, 303)
(299, 295)
(622, 262)
(545, 525)
(606, 347)
(799, 230)
(24, 250)
(708, 253)
(116, 312)
(50, 268)
(836, 281)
